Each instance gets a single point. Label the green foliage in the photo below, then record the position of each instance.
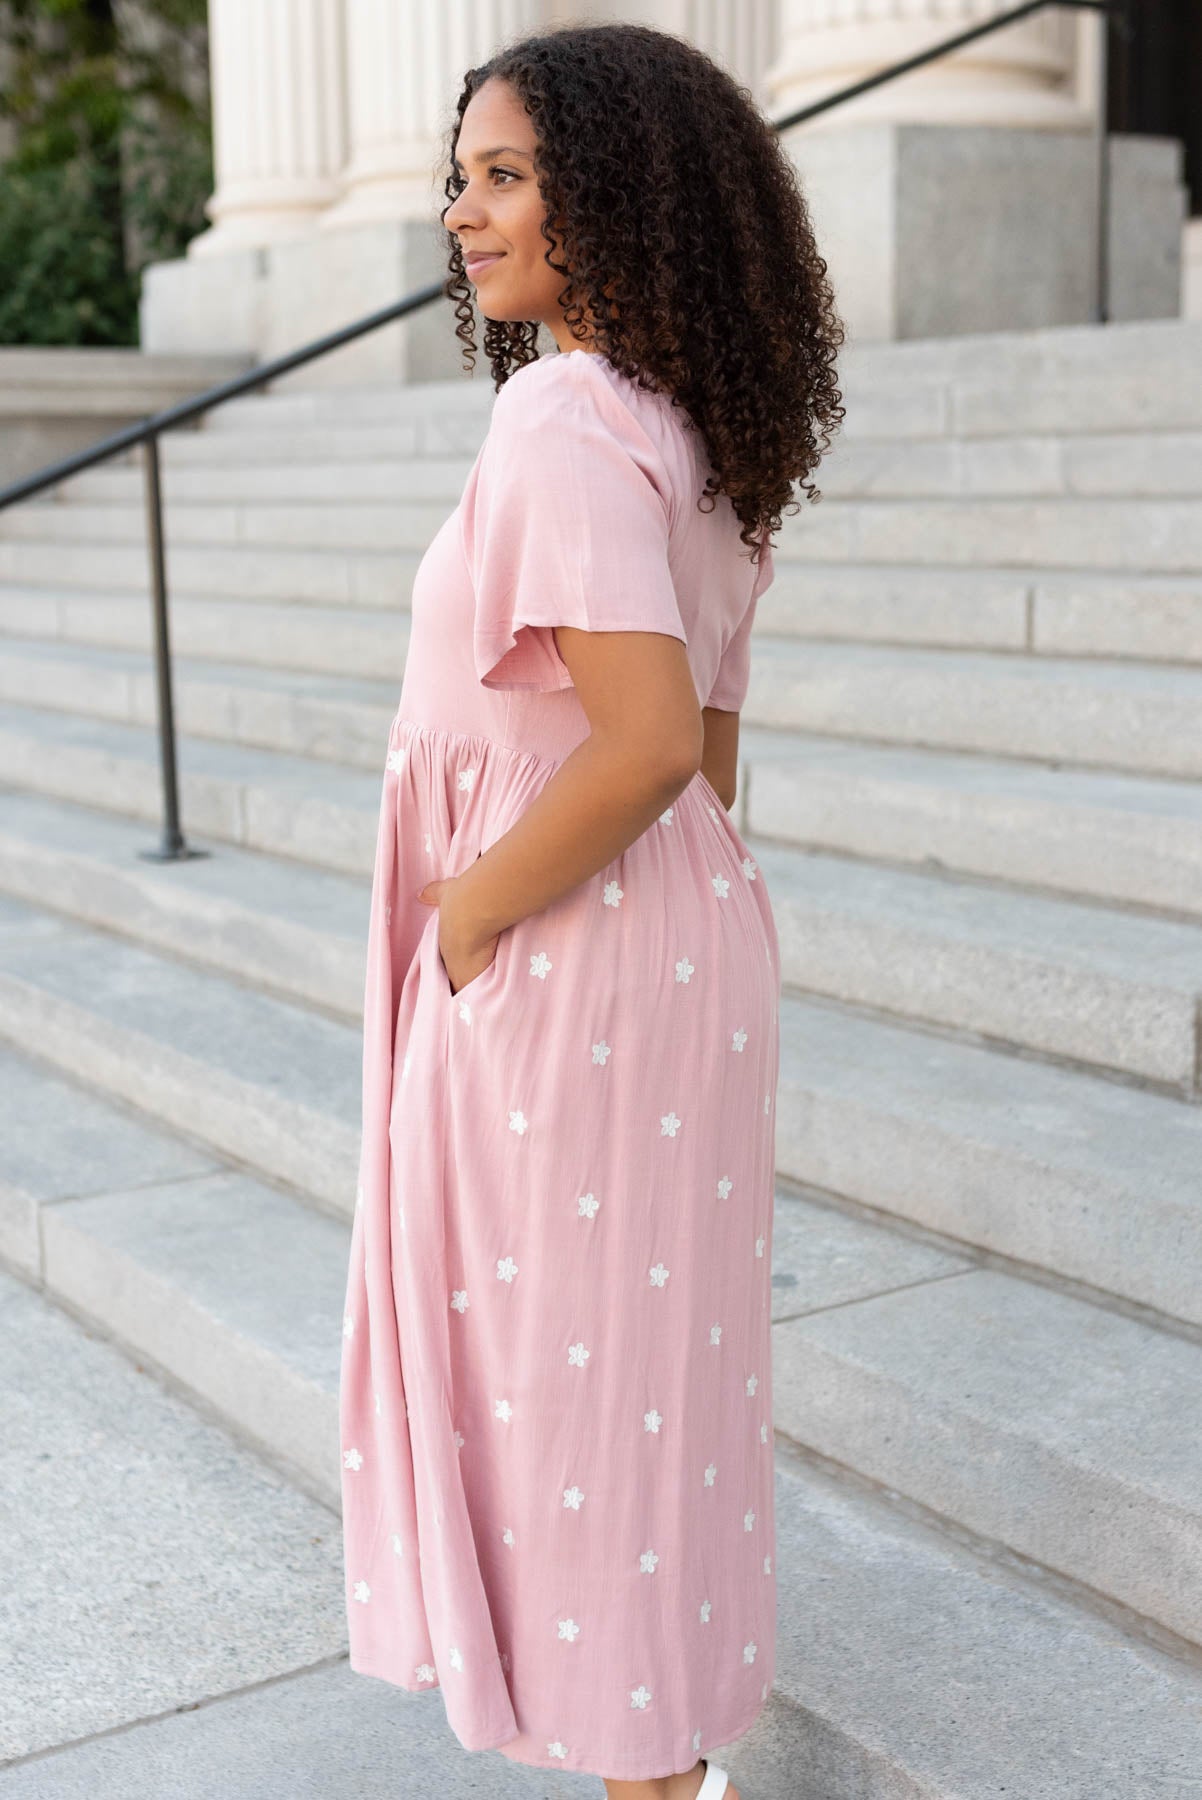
(106, 104)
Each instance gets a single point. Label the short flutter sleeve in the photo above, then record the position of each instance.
(734, 670)
(565, 521)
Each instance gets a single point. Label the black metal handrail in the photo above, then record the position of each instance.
(146, 432)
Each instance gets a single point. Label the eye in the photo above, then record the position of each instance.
(495, 170)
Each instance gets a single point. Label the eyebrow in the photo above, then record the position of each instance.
(497, 150)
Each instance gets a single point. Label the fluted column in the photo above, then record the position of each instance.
(279, 118)
(405, 62)
(1022, 75)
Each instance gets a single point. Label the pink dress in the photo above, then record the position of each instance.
(556, 1394)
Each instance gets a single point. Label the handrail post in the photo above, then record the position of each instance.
(1101, 307)
(172, 847)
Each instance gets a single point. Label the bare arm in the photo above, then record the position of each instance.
(720, 758)
(645, 744)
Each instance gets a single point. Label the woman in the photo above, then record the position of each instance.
(557, 1450)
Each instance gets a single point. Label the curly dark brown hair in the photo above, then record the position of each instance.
(688, 241)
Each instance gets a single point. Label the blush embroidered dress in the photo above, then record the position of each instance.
(556, 1395)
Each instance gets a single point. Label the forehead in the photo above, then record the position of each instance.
(494, 123)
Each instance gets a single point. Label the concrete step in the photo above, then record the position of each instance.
(354, 576)
(1110, 838)
(269, 704)
(1080, 984)
(245, 637)
(229, 678)
(270, 1083)
(1022, 532)
(316, 812)
(1145, 720)
(1143, 536)
(1045, 1166)
(1083, 984)
(1056, 612)
(1090, 1182)
(296, 932)
(1123, 839)
(1122, 465)
(1044, 1423)
(151, 1564)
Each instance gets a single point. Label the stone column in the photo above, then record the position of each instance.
(279, 124)
(405, 60)
(1024, 75)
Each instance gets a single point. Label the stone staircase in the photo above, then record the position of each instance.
(971, 773)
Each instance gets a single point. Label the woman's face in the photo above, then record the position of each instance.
(499, 213)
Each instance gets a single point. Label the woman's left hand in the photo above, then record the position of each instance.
(464, 956)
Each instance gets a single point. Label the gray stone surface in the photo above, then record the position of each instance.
(274, 1084)
(1057, 1428)
(1086, 983)
(298, 931)
(1116, 838)
(1089, 1180)
(148, 1562)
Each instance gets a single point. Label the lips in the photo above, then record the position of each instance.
(474, 262)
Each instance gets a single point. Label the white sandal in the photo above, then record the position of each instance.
(714, 1783)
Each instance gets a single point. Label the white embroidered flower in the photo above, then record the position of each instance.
(684, 968)
(587, 1205)
(601, 1051)
(396, 759)
(352, 1459)
(555, 1748)
(518, 1122)
(506, 1268)
(753, 1382)
(573, 1497)
(749, 868)
(467, 779)
(697, 1734)
(652, 1420)
(569, 1631)
(763, 1434)
(748, 1519)
(612, 895)
(459, 1299)
(720, 886)
(724, 1187)
(348, 1325)
(507, 1536)
(647, 1562)
(640, 1696)
(767, 1565)
(715, 1334)
(362, 1591)
(465, 1009)
(711, 809)
(459, 1438)
(739, 1039)
(503, 1410)
(669, 1125)
(749, 1653)
(665, 818)
(456, 1656)
(577, 1355)
(398, 1547)
(425, 1672)
(659, 1275)
(759, 1246)
(706, 1609)
(710, 1471)
(540, 965)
